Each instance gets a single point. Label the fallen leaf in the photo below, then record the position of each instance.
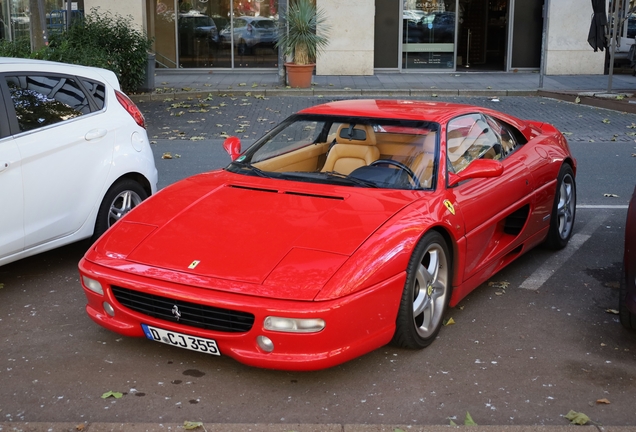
(190, 425)
(452, 423)
(606, 121)
(577, 418)
(116, 395)
(242, 84)
(612, 311)
(469, 420)
(1, 285)
(620, 97)
(254, 85)
(577, 100)
(502, 284)
(603, 401)
(80, 427)
(449, 321)
(166, 155)
(567, 133)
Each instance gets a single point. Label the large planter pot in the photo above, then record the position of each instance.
(299, 76)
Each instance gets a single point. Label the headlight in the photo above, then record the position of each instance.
(93, 285)
(294, 325)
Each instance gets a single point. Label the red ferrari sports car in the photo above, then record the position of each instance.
(350, 225)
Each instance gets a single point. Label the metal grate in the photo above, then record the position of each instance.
(191, 314)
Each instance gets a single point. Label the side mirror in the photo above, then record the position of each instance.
(480, 168)
(232, 146)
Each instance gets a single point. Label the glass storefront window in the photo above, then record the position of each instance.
(428, 34)
(5, 30)
(214, 33)
(15, 17)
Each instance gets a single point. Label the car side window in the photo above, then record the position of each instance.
(508, 141)
(98, 91)
(471, 137)
(41, 100)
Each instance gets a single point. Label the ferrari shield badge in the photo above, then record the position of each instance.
(194, 264)
(449, 206)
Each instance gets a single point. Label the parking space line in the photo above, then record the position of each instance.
(547, 269)
(608, 207)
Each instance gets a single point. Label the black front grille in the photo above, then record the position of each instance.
(191, 314)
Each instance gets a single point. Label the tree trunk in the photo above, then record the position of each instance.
(38, 24)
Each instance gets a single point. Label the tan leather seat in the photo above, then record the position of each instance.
(425, 161)
(355, 147)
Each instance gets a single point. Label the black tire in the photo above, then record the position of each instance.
(628, 319)
(242, 48)
(563, 210)
(426, 293)
(122, 197)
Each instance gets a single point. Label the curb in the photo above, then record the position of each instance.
(320, 92)
(263, 427)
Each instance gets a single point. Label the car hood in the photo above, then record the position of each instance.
(288, 236)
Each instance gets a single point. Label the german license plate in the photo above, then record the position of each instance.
(181, 340)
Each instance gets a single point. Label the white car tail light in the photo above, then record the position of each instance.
(131, 108)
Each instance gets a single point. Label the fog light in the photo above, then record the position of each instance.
(93, 285)
(108, 309)
(294, 325)
(265, 343)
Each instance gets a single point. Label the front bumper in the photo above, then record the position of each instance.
(355, 324)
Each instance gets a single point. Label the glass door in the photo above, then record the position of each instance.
(428, 34)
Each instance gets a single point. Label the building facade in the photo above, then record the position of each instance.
(366, 36)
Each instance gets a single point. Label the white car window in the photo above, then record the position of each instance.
(44, 100)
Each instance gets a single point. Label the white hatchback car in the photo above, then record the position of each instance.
(74, 155)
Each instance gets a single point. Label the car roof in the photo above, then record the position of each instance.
(440, 112)
(10, 64)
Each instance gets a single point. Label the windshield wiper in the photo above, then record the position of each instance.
(354, 180)
(251, 168)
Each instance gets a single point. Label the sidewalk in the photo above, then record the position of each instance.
(590, 89)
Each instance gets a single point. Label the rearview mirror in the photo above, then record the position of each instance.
(232, 146)
(480, 168)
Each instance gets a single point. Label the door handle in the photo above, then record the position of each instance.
(95, 134)
(3, 166)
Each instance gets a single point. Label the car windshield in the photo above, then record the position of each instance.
(349, 151)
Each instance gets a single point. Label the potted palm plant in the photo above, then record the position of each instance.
(300, 42)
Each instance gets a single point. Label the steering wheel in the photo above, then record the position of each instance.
(399, 165)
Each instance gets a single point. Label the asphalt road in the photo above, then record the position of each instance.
(525, 354)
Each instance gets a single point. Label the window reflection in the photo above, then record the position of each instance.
(214, 33)
(43, 100)
(428, 35)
